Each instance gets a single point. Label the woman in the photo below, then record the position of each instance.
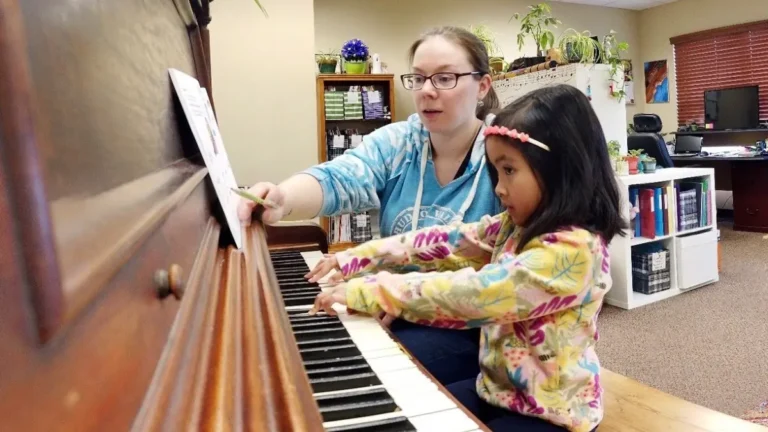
(420, 172)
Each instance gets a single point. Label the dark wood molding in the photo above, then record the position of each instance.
(286, 390)
(177, 396)
(21, 136)
(232, 363)
(721, 31)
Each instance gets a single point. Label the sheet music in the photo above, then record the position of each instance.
(199, 112)
(510, 89)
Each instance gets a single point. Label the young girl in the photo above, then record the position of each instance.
(533, 278)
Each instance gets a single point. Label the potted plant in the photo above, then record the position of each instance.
(580, 47)
(649, 164)
(536, 25)
(327, 61)
(495, 56)
(632, 159)
(355, 54)
(613, 151)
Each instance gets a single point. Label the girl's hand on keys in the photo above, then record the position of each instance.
(325, 300)
(328, 263)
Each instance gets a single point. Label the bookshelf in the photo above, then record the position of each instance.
(690, 244)
(338, 111)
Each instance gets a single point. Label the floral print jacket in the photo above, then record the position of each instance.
(538, 309)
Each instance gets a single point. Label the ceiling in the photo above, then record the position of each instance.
(623, 4)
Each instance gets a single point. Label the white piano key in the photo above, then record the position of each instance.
(454, 420)
(419, 398)
(358, 420)
(416, 403)
(391, 363)
(382, 353)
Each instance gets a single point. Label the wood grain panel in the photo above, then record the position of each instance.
(77, 169)
(94, 376)
(634, 407)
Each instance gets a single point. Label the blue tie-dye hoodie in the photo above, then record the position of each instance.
(385, 172)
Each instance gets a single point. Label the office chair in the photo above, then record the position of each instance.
(646, 137)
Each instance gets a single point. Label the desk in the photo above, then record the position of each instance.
(748, 179)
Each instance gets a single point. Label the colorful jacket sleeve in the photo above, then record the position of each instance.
(442, 247)
(554, 272)
(351, 182)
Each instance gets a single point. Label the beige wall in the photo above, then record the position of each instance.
(389, 29)
(264, 86)
(658, 24)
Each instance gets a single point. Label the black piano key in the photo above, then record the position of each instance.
(307, 292)
(324, 342)
(299, 290)
(355, 404)
(297, 284)
(345, 349)
(343, 382)
(295, 262)
(397, 424)
(340, 362)
(305, 300)
(306, 318)
(317, 325)
(321, 334)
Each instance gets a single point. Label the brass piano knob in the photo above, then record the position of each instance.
(169, 282)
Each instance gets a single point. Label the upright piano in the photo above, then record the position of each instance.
(123, 303)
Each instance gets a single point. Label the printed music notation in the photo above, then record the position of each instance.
(199, 112)
(510, 89)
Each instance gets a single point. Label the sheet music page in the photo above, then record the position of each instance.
(199, 112)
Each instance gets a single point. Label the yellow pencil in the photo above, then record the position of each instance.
(254, 198)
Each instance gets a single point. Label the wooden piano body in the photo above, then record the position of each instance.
(123, 304)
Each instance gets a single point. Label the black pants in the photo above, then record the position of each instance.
(497, 419)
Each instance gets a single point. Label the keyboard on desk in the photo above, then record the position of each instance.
(361, 379)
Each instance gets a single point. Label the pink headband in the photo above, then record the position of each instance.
(496, 130)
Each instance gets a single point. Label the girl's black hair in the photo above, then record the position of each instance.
(576, 178)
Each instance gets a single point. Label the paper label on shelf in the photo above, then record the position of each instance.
(353, 97)
(338, 141)
(374, 97)
(658, 262)
(355, 140)
(362, 221)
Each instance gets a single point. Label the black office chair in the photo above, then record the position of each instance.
(646, 137)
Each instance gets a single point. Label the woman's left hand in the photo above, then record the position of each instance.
(325, 300)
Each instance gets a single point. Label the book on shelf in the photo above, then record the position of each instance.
(350, 228)
(666, 210)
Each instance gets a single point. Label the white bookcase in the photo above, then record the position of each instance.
(693, 253)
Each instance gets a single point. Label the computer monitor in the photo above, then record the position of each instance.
(732, 108)
(688, 144)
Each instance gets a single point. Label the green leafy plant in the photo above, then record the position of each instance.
(495, 55)
(327, 57)
(612, 53)
(635, 153)
(579, 46)
(535, 23)
(613, 149)
(488, 38)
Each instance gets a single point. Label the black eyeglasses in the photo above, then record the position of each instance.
(440, 80)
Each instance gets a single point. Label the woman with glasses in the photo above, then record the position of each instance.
(423, 171)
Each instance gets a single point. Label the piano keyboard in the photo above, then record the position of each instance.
(361, 379)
